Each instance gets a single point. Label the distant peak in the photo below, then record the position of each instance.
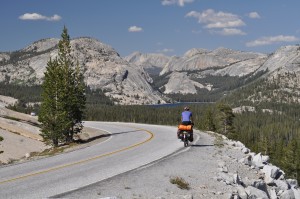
(42, 45)
(86, 38)
(194, 51)
(222, 50)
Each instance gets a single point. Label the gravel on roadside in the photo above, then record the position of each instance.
(197, 166)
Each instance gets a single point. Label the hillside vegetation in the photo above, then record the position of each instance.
(264, 87)
(273, 129)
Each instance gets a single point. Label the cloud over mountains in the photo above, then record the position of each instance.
(37, 16)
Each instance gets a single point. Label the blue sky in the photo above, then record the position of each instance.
(171, 27)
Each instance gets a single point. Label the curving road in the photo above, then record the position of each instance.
(130, 146)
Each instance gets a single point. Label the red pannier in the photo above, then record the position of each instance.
(185, 127)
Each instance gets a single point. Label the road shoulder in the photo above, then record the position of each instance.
(198, 166)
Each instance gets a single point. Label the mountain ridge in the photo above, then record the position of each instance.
(151, 78)
(103, 68)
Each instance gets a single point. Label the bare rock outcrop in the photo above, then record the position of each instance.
(103, 68)
(272, 183)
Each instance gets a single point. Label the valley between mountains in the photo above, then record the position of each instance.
(263, 90)
(211, 167)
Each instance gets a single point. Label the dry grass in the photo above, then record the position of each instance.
(53, 151)
(180, 182)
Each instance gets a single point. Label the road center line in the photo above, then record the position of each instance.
(83, 161)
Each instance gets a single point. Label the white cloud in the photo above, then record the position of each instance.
(55, 18)
(166, 50)
(36, 16)
(229, 32)
(135, 29)
(254, 15)
(178, 2)
(271, 40)
(214, 19)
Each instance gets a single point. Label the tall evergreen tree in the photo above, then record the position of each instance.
(224, 123)
(66, 63)
(52, 114)
(77, 103)
(63, 96)
(209, 120)
(291, 159)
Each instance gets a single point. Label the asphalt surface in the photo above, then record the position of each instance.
(130, 146)
(197, 165)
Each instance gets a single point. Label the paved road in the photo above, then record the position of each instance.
(130, 146)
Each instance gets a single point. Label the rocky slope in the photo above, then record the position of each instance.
(148, 78)
(284, 66)
(21, 135)
(203, 69)
(151, 63)
(103, 68)
(197, 64)
(282, 77)
(200, 59)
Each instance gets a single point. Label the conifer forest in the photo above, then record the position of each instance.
(270, 126)
(275, 133)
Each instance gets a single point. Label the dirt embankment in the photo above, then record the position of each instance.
(21, 134)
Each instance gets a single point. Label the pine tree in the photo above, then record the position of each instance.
(209, 120)
(224, 124)
(52, 114)
(63, 96)
(66, 64)
(291, 159)
(77, 102)
(264, 144)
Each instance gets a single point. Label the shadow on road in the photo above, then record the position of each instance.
(201, 145)
(103, 136)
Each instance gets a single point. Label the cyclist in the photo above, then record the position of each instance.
(186, 119)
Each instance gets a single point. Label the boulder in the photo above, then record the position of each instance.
(256, 193)
(241, 192)
(282, 184)
(271, 173)
(260, 160)
(288, 194)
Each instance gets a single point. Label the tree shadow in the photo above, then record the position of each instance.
(80, 141)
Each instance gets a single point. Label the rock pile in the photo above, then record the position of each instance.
(271, 183)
